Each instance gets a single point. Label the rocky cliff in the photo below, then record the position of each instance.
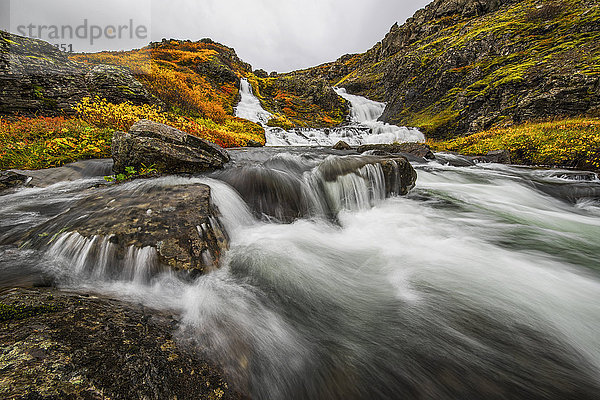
(462, 66)
(37, 78)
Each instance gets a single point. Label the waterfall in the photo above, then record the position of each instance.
(96, 257)
(249, 106)
(286, 187)
(366, 113)
(364, 127)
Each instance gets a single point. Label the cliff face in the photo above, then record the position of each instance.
(461, 66)
(37, 78)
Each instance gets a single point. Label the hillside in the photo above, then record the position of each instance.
(202, 78)
(463, 66)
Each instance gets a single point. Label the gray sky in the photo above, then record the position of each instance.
(276, 35)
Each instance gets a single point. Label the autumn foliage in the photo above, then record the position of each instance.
(232, 132)
(562, 142)
(43, 142)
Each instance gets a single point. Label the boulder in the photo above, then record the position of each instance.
(253, 143)
(400, 177)
(416, 149)
(166, 149)
(498, 157)
(10, 180)
(341, 145)
(117, 230)
(58, 345)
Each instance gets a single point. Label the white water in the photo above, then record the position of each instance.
(364, 127)
(476, 285)
(366, 113)
(249, 106)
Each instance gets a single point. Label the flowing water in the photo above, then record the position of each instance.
(482, 283)
(363, 127)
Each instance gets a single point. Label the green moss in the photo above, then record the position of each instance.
(430, 120)
(38, 91)
(22, 311)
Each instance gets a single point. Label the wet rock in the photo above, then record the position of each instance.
(10, 180)
(59, 345)
(416, 149)
(253, 143)
(455, 159)
(167, 149)
(400, 177)
(177, 224)
(69, 172)
(341, 145)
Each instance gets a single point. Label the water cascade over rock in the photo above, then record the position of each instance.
(363, 128)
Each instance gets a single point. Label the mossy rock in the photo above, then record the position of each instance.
(59, 345)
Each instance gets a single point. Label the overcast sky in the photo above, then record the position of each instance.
(276, 35)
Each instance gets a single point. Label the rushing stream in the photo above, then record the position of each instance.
(482, 283)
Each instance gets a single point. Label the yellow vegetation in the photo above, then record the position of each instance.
(565, 142)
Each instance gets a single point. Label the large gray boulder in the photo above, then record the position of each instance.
(110, 229)
(166, 149)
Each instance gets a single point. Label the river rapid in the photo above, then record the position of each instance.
(482, 283)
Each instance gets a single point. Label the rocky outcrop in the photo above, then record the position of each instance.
(416, 149)
(10, 180)
(341, 145)
(166, 149)
(59, 345)
(176, 226)
(37, 78)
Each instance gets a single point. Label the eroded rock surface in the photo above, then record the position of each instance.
(57, 345)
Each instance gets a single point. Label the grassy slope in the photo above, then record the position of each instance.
(571, 142)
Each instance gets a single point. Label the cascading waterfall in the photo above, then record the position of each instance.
(366, 113)
(249, 106)
(288, 187)
(363, 129)
(483, 282)
(96, 258)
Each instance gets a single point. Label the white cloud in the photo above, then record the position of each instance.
(279, 35)
(283, 35)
